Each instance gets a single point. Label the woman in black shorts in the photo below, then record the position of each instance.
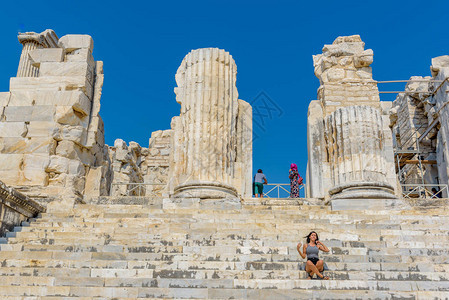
(314, 265)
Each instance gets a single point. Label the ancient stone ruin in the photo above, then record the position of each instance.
(52, 135)
(175, 218)
(348, 109)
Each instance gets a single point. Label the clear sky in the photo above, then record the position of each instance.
(142, 43)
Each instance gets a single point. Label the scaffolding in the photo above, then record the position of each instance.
(409, 156)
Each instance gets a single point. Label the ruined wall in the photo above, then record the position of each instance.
(438, 114)
(419, 120)
(135, 164)
(51, 133)
(409, 122)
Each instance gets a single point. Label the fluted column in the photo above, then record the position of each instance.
(30, 42)
(355, 146)
(205, 151)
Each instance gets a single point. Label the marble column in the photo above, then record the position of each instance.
(206, 131)
(355, 147)
(30, 42)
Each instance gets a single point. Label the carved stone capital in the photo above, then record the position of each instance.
(46, 39)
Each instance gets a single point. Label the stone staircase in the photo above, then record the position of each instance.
(156, 250)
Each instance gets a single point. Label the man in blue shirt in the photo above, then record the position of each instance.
(259, 181)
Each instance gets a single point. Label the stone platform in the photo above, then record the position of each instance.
(153, 248)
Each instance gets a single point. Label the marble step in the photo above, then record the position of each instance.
(312, 210)
(180, 253)
(78, 261)
(263, 294)
(273, 260)
(145, 227)
(146, 240)
(243, 248)
(254, 289)
(7, 272)
(403, 285)
(238, 213)
(296, 224)
(80, 244)
(250, 228)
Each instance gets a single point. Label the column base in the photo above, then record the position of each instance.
(363, 190)
(205, 189)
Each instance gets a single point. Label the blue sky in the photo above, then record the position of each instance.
(142, 43)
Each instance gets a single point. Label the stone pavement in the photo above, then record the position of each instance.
(151, 248)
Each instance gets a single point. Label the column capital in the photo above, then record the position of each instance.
(46, 39)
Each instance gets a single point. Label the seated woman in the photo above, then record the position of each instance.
(314, 265)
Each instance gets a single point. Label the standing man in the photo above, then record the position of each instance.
(259, 181)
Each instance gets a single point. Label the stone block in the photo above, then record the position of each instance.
(36, 161)
(10, 162)
(73, 133)
(335, 74)
(4, 98)
(22, 98)
(71, 150)
(364, 59)
(82, 54)
(51, 83)
(66, 115)
(438, 63)
(39, 56)
(10, 177)
(73, 42)
(67, 149)
(42, 129)
(68, 69)
(59, 164)
(43, 113)
(33, 167)
(94, 179)
(96, 123)
(76, 183)
(18, 113)
(76, 99)
(13, 129)
(44, 145)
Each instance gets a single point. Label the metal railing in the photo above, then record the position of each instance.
(424, 190)
(281, 191)
(138, 189)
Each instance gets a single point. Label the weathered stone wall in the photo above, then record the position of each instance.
(15, 208)
(438, 112)
(139, 171)
(419, 119)
(52, 134)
